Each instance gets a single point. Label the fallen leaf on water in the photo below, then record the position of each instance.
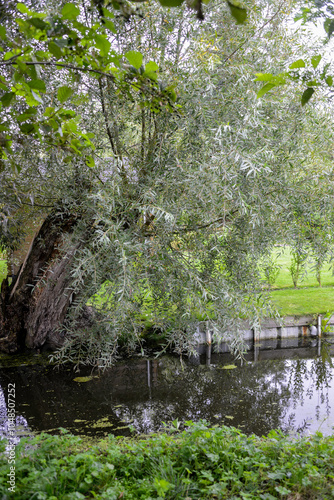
(229, 367)
(83, 379)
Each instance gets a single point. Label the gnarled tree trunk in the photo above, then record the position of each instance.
(34, 306)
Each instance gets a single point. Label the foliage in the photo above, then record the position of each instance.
(3, 270)
(149, 133)
(271, 270)
(299, 256)
(326, 328)
(62, 40)
(314, 70)
(304, 72)
(321, 9)
(199, 462)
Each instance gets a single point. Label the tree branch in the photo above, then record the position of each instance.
(106, 118)
(257, 31)
(61, 65)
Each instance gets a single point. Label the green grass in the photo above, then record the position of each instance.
(284, 280)
(308, 298)
(300, 301)
(198, 463)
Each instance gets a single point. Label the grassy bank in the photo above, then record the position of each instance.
(199, 463)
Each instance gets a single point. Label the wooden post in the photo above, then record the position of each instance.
(256, 338)
(148, 373)
(208, 338)
(256, 352)
(208, 354)
(319, 325)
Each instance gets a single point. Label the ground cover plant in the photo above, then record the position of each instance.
(198, 463)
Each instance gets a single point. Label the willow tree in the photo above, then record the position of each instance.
(160, 176)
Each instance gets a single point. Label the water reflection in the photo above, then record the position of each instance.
(289, 388)
(311, 391)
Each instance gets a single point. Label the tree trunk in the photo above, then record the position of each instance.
(34, 306)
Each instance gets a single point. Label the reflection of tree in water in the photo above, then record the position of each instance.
(317, 375)
(253, 397)
(256, 397)
(321, 372)
(298, 374)
(318, 370)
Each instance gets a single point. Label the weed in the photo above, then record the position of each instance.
(197, 463)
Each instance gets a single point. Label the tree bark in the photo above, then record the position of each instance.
(34, 306)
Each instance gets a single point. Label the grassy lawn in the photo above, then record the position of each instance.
(308, 298)
(284, 280)
(300, 301)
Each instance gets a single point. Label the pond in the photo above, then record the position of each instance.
(290, 388)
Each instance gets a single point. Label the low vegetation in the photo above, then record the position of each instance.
(198, 463)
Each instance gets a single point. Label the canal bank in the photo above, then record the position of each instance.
(289, 327)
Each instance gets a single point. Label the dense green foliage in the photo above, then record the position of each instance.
(148, 133)
(312, 72)
(199, 463)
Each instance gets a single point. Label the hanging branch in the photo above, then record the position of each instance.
(104, 111)
(256, 32)
(143, 129)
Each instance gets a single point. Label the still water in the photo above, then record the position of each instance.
(290, 388)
